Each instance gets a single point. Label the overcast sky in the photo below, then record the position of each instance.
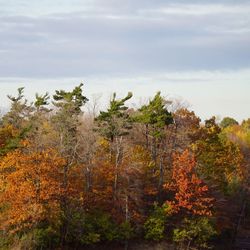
(198, 51)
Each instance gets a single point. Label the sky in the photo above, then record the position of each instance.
(194, 51)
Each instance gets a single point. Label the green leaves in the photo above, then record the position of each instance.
(73, 101)
(219, 158)
(156, 112)
(155, 224)
(195, 231)
(115, 121)
(20, 111)
(227, 122)
(66, 120)
(41, 100)
(95, 226)
(156, 115)
(19, 96)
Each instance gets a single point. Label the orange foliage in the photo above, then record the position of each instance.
(30, 188)
(131, 183)
(191, 193)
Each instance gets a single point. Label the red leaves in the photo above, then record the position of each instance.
(191, 193)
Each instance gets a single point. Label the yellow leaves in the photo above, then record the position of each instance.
(139, 154)
(102, 142)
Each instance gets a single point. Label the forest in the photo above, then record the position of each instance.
(156, 174)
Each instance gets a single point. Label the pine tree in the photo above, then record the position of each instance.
(66, 122)
(155, 117)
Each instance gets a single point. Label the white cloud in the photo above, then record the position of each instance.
(130, 45)
(199, 9)
(74, 46)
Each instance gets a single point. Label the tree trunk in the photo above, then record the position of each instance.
(118, 157)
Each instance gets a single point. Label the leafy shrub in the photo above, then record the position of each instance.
(155, 224)
(5, 240)
(234, 185)
(90, 238)
(96, 226)
(125, 231)
(194, 231)
(40, 238)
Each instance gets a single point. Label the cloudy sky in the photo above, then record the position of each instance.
(196, 51)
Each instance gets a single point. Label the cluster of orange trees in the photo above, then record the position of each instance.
(69, 178)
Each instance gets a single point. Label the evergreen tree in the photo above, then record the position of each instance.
(155, 117)
(19, 112)
(114, 122)
(66, 121)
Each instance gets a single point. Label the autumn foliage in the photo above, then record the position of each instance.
(190, 193)
(31, 188)
(74, 179)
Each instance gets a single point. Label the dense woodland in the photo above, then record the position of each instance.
(83, 180)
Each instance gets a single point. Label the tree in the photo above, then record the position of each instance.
(71, 179)
(10, 139)
(194, 232)
(66, 122)
(190, 193)
(220, 160)
(19, 111)
(30, 188)
(155, 117)
(186, 129)
(113, 124)
(40, 132)
(155, 224)
(129, 195)
(228, 121)
(15, 123)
